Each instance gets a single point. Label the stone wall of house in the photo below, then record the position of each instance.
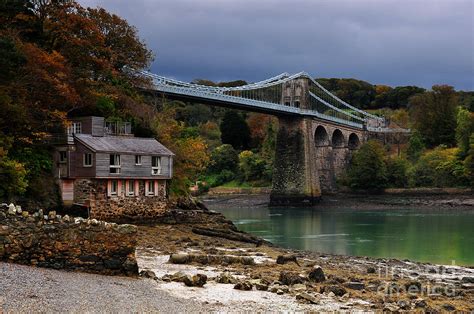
(82, 190)
(67, 243)
(126, 208)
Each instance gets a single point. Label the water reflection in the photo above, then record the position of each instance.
(424, 235)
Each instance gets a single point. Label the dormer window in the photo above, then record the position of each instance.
(115, 166)
(155, 165)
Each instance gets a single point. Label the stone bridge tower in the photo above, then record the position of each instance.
(295, 173)
(310, 154)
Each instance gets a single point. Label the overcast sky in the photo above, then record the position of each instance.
(393, 42)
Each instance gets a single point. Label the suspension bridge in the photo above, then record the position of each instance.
(317, 130)
(284, 94)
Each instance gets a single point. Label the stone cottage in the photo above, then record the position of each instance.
(103, 167)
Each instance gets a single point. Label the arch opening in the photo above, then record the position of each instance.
(337, 139)
(354, 141)
(321, 137)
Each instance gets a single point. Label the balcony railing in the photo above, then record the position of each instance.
(118, 128)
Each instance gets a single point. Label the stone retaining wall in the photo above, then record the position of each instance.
(67, 243)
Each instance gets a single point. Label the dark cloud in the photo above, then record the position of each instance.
(410, 42)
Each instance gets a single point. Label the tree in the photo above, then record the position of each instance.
(415, 147)
(251, 166)
(397, 172)
(191, 157)
(356, 92)
(464, 130)
(434, 115)
(367, 169)
(13, 180)
(400, 96)
(58, 59)
(469, 162)
(210, 132)
(224, 157)
(235, 131)
(439, 167)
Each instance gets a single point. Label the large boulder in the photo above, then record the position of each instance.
(307, 298)
(197, 280)
(338, 291)
(226, 278)
(355, 285)
(316, 274)
(178, 277)
(467, 279)
(148, 274)
(179, 258)
(290, 278)
(243, 285)
(284, 259)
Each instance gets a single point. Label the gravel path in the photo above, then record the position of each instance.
(29, 289)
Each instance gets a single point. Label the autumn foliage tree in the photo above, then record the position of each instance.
(58, 58)
(191, 157)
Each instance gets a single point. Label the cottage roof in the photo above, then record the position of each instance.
(123, 144)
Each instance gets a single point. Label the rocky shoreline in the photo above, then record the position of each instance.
(186, 269)
(272, 278)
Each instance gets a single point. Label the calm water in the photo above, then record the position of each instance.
(423, 235)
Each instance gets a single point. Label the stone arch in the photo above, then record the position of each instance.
(354, 141)
(321, 137)
(337, 139)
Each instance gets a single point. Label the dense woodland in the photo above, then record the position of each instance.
(59, 59)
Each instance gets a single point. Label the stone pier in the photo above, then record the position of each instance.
(295, 174)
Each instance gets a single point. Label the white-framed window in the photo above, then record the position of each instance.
(130, 188)
(115, 165)
(62, 156)
(138, 160)
(150, 189)
(113, 188)
(87, 160)
(75, 128)
(155, 165)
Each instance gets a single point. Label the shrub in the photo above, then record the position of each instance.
(368, 170)
(225, 176)
(13, 180)
(439, 167)
(202, 188)
(251, 165)
(397, 169)
(224, 157)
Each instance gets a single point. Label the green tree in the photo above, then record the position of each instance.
(251, 166)
(439, 167)
(434, 115)
(469, 162)
(368, 170)
(397, 176)
(234, 130)
(464, 130)
(13, 181)
(415, 146)
(224, 157)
